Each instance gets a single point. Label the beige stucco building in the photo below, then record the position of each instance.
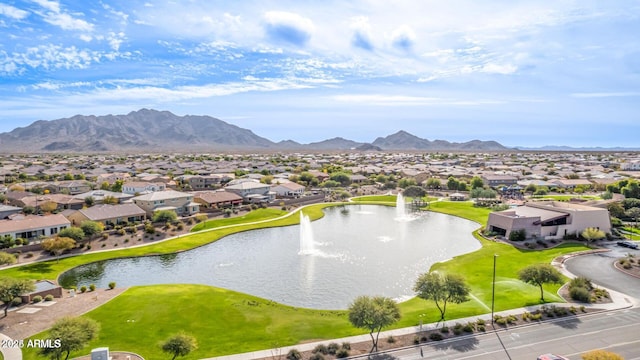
(549, 220)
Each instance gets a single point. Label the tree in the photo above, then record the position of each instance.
(601, 355)
(48, 206)
(91, 228)
(593, 234)
(616, 210)
(452, 183)
(110, 200)
(28, 210)
(75, 233)
(531, 188)
(442, 289)
(433, 183)
(6, 258)
(89, 201)
(343, 178)
(11, 288)
(117, 186)
(180, 345)
(164, 216)
(406, 182)
(73, 334)
(105, 186)
(373, 313)
(540, 274)
(58, 245)
(476, 182)
(414, 191)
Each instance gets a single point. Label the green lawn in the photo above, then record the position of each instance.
(252, 216)
(226, 322)
(375, 198)
(222, 321)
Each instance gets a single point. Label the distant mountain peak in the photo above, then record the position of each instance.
(149, 130)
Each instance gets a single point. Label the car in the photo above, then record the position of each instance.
(628, 244)
(551, 357)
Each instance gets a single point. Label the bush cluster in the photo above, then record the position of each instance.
(580, 289)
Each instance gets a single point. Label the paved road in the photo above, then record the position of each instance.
(599, 268)
(614, 331)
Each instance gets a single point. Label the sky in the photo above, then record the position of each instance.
(523, 73)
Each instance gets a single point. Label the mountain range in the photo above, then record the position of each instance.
(148, 130)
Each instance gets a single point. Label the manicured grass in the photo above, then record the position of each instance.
(226, 322)
(464, 209)
(375, 198)
(222, 321)
(255, 215)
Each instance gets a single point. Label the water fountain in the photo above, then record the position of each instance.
(307, 244)
(401, 208)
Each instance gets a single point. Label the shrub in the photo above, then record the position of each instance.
(105, 236)
(537, 316)
(469, 327)
(416, 339)
(501, 321)
(83, 289)
(316, 357)
(16, 301)
(342, 353)
(112, 285)
(436, 336)
(332, 348)
(28, 255)
(37, 299)
(581, 281)
(321, 348)
(346, 345)
(480, 322)
(391, 339)
(579, 294)
(294, 354)
(48, 297)
(481, 328)
(92, 287)
(120, 232)
(88, 246)
(511, 319)
(444, 330)
(518, 235)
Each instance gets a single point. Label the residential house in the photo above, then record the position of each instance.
(202, 182)
(497, 180)
(217, 199)
(549, 219)
(252, 191)
(7, 210)
(142, 187)
(180, 202)
(63, 201)
(633, 165)
(571, 183)
(109, 215)
(33, 226)
(72, 187)
(99, 196)
(288, 189)
(111, 178)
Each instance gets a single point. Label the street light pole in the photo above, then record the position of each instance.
(493, 289)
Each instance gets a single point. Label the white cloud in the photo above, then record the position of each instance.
(361, 37)
(504, 69)
(288, 27)
(67, 22)
(403, 38)
(403, 100)
(49, 5)
(13, 12)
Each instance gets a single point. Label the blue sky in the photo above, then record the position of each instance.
(527, 73)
